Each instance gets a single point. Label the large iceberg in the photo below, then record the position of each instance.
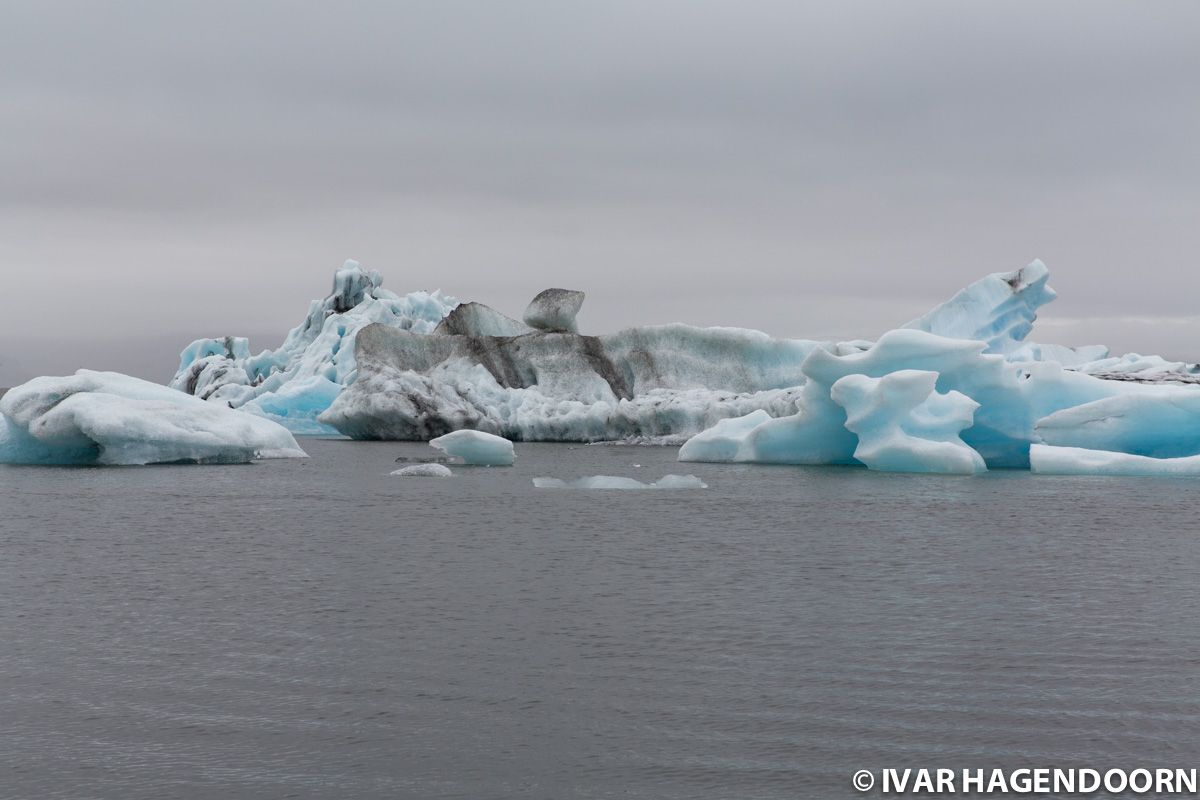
(109, 418)
(959, 389)
(541, 381)
(980, 396)
(300, 379)
(1018, 404)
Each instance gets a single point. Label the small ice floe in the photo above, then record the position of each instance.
(476, 448)
(424, 471)
(619, 482)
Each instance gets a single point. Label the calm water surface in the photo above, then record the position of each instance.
(319, 629)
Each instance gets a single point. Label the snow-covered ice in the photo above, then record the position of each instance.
(476, 448)
(1050, 460)
(109, 418)
(619, 482)
(424, 471)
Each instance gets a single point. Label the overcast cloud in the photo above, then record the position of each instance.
(177, 170)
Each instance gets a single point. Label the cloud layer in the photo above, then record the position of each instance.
(181, 170)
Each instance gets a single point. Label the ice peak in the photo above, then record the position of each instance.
(998, 309)
(351, 285)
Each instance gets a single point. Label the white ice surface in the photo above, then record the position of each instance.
(476, 448)
(109, 418)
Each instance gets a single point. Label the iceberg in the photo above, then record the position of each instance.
(373, 365)
(113, 419)
(476, 448)
(1011, 398)
(424, 471)
(618, 482)
(1051, 460)
(540, 381)
(297, 381)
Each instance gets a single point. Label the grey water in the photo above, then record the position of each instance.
(320, 629)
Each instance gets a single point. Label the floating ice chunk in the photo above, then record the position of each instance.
(424, 471)
(619, 482)
(476, 447)
(905, 425)
(109, 418)
(554, 310)
(1050, 460)
(999, 309)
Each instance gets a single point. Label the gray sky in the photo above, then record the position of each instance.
(177, 170)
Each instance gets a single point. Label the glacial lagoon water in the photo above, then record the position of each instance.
(321, 629)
